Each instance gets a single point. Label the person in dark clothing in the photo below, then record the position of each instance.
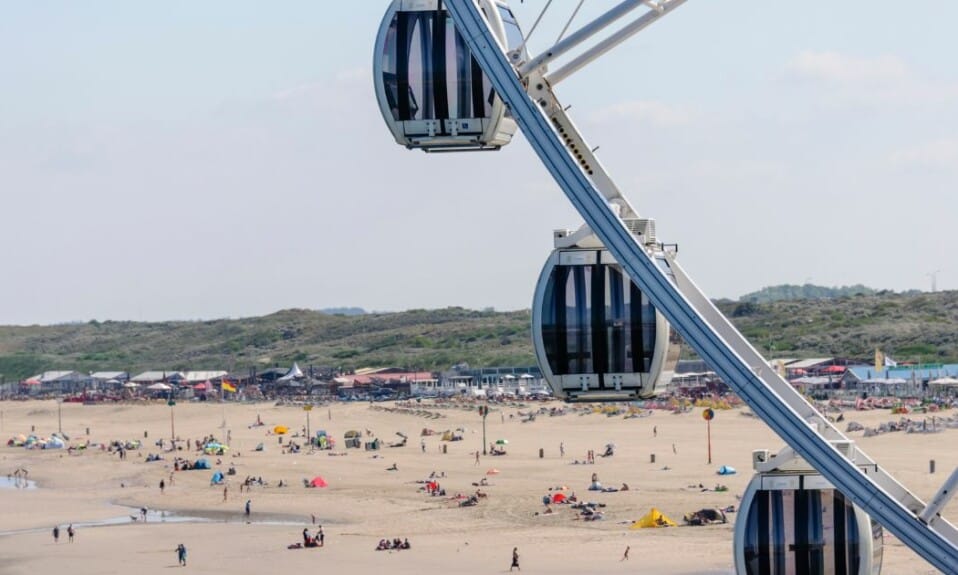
(515, 559)
(70, 532)
(56, 533)
(181, 554)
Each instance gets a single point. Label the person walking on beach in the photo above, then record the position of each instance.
(321, 536)
(422, 444)
(181, 554)
(477, 457)
(248, 501)
(162, 486)
(515, 559)
(70, 532)
(655, 431)
(56, 533)
(561, 449)
(226, 492)
(625, 556)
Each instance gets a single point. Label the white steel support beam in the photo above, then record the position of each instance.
(699, 322)
(586, 32)
(661, 9)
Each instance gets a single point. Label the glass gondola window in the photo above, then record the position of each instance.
(648, 334)
(408, 64)
(464, 78)
(458, 79)
(593, 317)
(390, 79)
(513, 33)
(553, 322)
(801, 532)
(615, 321)
(878, 549)
(420, 77)
(578, 302)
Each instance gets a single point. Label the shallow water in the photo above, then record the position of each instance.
(8, 482)
(133, 516)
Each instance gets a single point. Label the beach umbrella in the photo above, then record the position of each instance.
(280, 430)
(502, 442)
(131, 385)
(159, 387)
(493, 471)
(32, 381)
(318, 482)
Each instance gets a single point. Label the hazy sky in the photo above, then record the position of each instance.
(185, 160)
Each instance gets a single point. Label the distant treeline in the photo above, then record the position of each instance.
(907, 326)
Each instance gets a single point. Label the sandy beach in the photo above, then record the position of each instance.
(365, 503)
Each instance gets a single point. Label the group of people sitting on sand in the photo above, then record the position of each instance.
(250, 481)
(470, 501)
(434, 489)
(201, 443)
(590, 511)
(719, 488)
(595, 485)
(180, 464)
(387, 545)
(318, 540)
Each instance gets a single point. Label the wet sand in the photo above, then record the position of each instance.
(365, 503)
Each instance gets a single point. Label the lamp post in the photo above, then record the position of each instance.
(708, 415)
(484, 411)
(307, 408)
(171, 403)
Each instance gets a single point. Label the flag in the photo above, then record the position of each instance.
(227, 386)
(889, 362)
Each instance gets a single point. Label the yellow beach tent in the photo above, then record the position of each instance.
(654, 518)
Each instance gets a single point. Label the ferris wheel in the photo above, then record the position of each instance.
(457, 75)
